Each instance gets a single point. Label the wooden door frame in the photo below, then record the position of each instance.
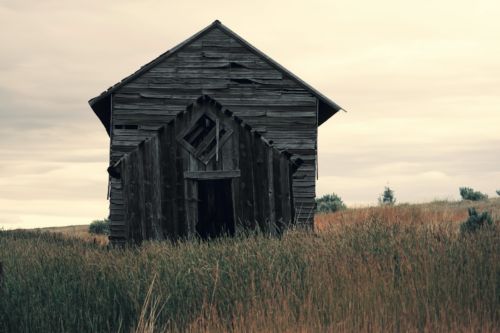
(191, 179)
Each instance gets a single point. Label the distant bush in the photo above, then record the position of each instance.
(387, 197)
(468, 193)
(476, 221)
(329, 203)
(100, 227)
(498, 192)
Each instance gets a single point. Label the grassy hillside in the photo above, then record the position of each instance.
(403, 268)
(77, 231)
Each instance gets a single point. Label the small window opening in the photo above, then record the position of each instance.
(211, 146)
(243, 81)
(233, 64)
(201, 138)
(199, 131)
(126, 126)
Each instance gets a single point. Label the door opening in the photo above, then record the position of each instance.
(215, 208)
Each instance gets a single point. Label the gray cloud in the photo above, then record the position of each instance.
(419, 84)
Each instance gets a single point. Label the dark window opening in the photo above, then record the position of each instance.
(126, 126)
(215, 209)
(233, 64)
(199, 131)
(200, 139)
(243, 81)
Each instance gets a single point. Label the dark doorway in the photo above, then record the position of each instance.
(215, 208)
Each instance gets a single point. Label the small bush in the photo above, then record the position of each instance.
(100, 227)
(329, 203)
(468, 193)
(387, 198)
(476, 221)
(498, 192)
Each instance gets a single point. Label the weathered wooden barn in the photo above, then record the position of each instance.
(205, 173)
(209, 136)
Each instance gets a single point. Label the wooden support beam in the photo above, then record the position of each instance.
(222, 174)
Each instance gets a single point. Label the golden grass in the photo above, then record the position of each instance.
(404, 268)
(79, 232)
(429, 214)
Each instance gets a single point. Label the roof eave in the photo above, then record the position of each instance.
(102, 109)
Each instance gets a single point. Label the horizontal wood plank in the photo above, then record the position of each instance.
(219, 174)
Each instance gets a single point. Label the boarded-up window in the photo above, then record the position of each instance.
(203, 136)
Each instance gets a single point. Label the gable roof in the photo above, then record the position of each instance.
(101, 104)
(295, 161)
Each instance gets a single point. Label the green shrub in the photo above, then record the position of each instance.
(99, 227)
(468, 193)
(387, 198)
(498, 192)
(329, 203)
(476, 221)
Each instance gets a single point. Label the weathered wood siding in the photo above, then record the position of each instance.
(159, 179)
(219, 66)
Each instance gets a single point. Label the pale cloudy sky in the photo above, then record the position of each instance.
(420, 81)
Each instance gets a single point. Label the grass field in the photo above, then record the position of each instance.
(80, 232)
(402, 268)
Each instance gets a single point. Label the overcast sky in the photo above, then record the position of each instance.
(420, 81)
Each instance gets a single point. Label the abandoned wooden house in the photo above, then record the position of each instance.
(211, 136)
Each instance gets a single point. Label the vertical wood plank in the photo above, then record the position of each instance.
(270, 179)
(181, 164)
(253, 179)
(169, 187)
(126, 198)
(290, 190)
(156, 201)
(259, 168)
(284, 176)
(147, 208)
(277, 190)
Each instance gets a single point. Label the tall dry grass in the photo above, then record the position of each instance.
(403, 268)
(428, 214)
(77, 231)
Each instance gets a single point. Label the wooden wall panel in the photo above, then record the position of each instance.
(216, 65)
(160, 202)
